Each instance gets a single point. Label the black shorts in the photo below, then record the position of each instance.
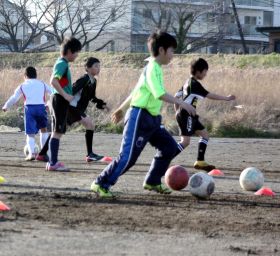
(59, 111)
(74, 115)
(188, 125)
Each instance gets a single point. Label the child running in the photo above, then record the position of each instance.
(189, 125)
(84, 91)
(35, 115)
(61, 98)
(143, 122)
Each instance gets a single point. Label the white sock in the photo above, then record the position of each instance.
(30, 141)
(43, 138)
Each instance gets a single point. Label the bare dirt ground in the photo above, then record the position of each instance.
(56, 214)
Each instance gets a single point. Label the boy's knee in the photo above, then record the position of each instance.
(168, 152)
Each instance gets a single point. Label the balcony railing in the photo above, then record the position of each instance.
(267, 3)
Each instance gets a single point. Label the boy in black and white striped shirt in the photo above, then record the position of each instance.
(191, 93)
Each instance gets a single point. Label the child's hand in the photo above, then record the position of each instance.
(189, 108)
(231, 97)
(106, 108)
(4, 109)
(68, 97)
(117, 116)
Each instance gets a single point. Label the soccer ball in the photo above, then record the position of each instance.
(201, 185)
(251, 179)
(26, 152)
(176, 177)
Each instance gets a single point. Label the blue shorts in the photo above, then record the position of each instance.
(35, 118)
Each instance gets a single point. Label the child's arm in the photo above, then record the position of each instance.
(170, 99)
(213, 96)
(118, 114)
(56, 85)
(13, 99)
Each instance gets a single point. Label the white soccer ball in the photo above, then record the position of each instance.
(201, 185)
(251, 179)
(26, 151)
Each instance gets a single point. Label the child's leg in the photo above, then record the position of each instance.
(43, 137)
(59, 111)
(166, 150)
(88, 124)
(45, 148)
(134, 140)
(185, 141)
(202, 144)
(30, 142)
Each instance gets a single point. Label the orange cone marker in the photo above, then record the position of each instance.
(216, 172)
(107, 159)
(4, 207)
(264, 191)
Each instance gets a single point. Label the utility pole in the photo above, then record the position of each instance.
(245, 50)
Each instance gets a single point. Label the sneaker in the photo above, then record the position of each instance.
(162, 189)
(58, 167)
(93, 157)
(42, 158)
(202, 165)
(30, 157)
(101, 192)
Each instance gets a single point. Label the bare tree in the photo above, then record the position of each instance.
(182, 19)
(85, 20)
(19, 25)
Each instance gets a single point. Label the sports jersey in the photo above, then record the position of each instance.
(32, 90)
(191, 92)
(149, 89)
(62, 73)
(84, 90)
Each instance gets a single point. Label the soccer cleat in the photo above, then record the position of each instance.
(58, 167)
(42, 158)
(101, 192)
(202, 165)
(157, 188)
(30, 157)
(93, 157)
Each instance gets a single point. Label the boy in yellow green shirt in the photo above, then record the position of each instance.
(143, 122)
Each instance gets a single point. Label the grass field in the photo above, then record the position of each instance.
(253, 79)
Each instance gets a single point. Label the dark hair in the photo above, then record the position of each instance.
(30, 72)
(198, 65)
(72, 44)
(90, 61)
(160, 39)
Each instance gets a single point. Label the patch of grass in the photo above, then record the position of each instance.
(12, 119)
(109, 128)
(242, 132)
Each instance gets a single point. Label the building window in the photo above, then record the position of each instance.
(163, 14)
(113, 15)
(87, 16)
(268, 19)
(250, 20)
(147, 13)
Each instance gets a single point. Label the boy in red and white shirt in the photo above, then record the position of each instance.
(35, 115)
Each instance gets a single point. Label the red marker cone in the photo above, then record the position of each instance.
(265, 192)
(216, 172)
(4, 207)
(107, 159)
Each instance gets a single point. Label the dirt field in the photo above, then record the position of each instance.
(56, 214)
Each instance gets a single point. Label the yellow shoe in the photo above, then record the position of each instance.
(101, 192)
(202, 165)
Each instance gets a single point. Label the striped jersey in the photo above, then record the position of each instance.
(191, 92)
